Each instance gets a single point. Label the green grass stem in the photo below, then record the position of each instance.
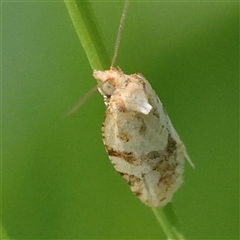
(169, 229)
(85, 24)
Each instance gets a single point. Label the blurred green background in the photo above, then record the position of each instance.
(57, 181)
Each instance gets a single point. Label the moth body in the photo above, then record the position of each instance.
(139, 137)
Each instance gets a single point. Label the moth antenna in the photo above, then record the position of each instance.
(117, 43)
(118, 39)
(84, 98)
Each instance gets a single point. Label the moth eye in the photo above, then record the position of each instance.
(108, 88)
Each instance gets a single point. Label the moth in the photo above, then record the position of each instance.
(138, 135)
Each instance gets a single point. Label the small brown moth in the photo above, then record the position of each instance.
(139, 137)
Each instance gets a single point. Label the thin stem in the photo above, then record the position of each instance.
(4, 234)
(85, 25)
(169, 229)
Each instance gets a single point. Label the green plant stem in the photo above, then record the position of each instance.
(85, 25)
(169, 229)
(4, 235)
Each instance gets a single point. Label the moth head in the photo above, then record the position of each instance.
(109, 80)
